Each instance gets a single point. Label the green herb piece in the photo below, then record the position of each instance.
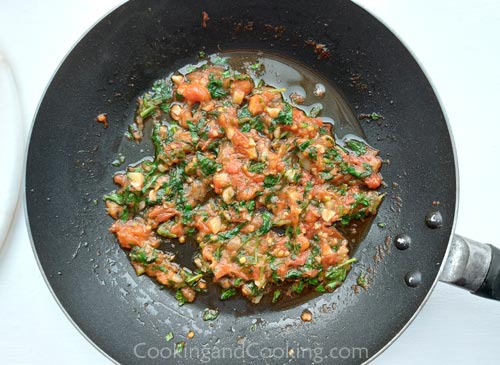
(361, 280)
(326, 175)
(164, 230)
(124, 215)
(289, 232)
(276, 295)
(255, 66)
(294, 248)
(161, 91)
(358, 147)
(308, 187)
(149, 182)
(346, 219)
(244, 113)
(227, 235)
(147, 111)
(312, 152)
(381, 224)
(193, 129)
(165, 107)
(215, 87)
(169, 336)
(352, 260)
(285, 115)
(266, 223)
(138, 254)
(303, 146)
(246, 127)
(251, 205)
(115, 197)
(276, 278)
(218, 253)
(269, 198)
(179, 96)
(316, 110)
(228, 293)
(298, 287)
(293, 274)
(335, 275)
(207, 165)
(271, 180)
(179, 346)
(181, 300)
(217, 60)
(155, 137)
(210, 314)
(160, 268)
(248, 121)
(320, 288)
(332, 285)
(254, 123)
(361, 199)
(256, 167)
(323, 131)
(192, 279)
(313, 281)
(128, 135)
(350, 169)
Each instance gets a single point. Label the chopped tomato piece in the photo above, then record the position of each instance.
(194, 93)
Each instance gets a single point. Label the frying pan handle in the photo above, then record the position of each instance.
(473, 266)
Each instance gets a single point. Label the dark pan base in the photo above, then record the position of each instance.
(69, 163)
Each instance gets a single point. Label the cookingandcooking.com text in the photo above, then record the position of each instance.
(249, 350)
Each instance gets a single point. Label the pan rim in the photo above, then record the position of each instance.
(24, 195)
(457, 182)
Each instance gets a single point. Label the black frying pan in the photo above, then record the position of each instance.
(68, 170)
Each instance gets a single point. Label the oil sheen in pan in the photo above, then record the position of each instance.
(293, 77)
(318, 94)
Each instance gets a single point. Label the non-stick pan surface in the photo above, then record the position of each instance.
(69, 169)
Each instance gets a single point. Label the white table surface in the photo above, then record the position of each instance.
(458, 44)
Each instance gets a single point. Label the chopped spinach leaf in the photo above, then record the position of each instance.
(267, 223)
(215, 87)
(276, 295)
(139, 255)
(256, 167)
(285, 115)
(356, 146)
(210, 314)
(271, 180)
(228, 293)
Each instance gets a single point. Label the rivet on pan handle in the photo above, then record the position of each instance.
(473, 266)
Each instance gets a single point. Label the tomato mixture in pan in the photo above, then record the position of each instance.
(263, 189)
